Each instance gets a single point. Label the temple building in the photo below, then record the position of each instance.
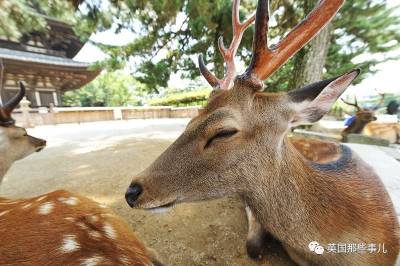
(43, 61)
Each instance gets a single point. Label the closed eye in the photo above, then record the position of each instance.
(223, 134)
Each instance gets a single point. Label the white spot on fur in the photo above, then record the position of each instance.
(71, 219)
(94, 234)
(4, 212)
(69, 201)
(46, 208)
(125, 260)
(110, 231)
(69, 244)
(26, 206)
(92, 261)
(41, 198)
(93, 218)
(101, 205)
(82, 225)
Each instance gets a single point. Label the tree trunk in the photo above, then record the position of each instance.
(309, 62)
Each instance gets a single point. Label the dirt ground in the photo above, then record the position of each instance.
(207, 233)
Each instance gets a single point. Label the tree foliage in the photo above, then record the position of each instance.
(170, 34)
(184, 29)
(18, 17)
(198, 97)
(109, 89)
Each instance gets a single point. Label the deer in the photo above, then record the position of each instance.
(15, 141)
(238, 145)
(64, 228)
(364, 123)
(59, 227)
(361, 119)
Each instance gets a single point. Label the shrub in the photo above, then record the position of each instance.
(191, 98)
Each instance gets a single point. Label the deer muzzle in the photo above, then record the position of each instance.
(39, 144)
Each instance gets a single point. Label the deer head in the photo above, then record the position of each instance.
(361, 118)
(15, 143)
(239, 140)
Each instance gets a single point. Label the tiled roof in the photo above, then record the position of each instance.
(39, 58)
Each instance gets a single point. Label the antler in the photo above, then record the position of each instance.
(228, 53)
(7, 108)
(355, 104)
(266, 60)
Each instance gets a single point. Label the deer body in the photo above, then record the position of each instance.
(363, 123)
(238, 144)
(388, 131)
(62, 228)
(318, 202)
(362, 118)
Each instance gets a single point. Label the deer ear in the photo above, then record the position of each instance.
(312, 102)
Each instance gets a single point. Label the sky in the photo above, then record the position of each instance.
(386, 80)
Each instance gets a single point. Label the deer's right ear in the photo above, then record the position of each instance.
(312, 102)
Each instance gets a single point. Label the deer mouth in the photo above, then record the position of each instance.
(39, 149)
(162, 208)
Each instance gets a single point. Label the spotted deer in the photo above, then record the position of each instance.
(238, 144)
(364, 123)
(63, 228)
(15, 143)
(60, 227)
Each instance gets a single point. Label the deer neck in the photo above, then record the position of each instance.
(357, 126)
(286, 198)
(4, 166)
(4, 152)
(3, 170)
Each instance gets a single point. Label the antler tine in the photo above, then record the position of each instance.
(266, 60)
(355, 104)
(211, 79)
(229, 53)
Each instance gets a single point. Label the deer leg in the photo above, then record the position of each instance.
(295, 257)
(256, 236)
(154, 257)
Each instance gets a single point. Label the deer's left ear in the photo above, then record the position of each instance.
(312, 102)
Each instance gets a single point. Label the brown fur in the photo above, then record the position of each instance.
(362, 118)
(294, 201)
(31, 238)
(364, 124)
(316, 150)
(388, 131)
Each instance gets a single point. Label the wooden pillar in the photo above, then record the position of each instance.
(37, 97)
(55, 98)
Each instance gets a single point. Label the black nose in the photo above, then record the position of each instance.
(133, 193)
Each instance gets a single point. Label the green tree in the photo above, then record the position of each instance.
(109, 89)
(362, 27)
(171, 33)
(18, 17)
